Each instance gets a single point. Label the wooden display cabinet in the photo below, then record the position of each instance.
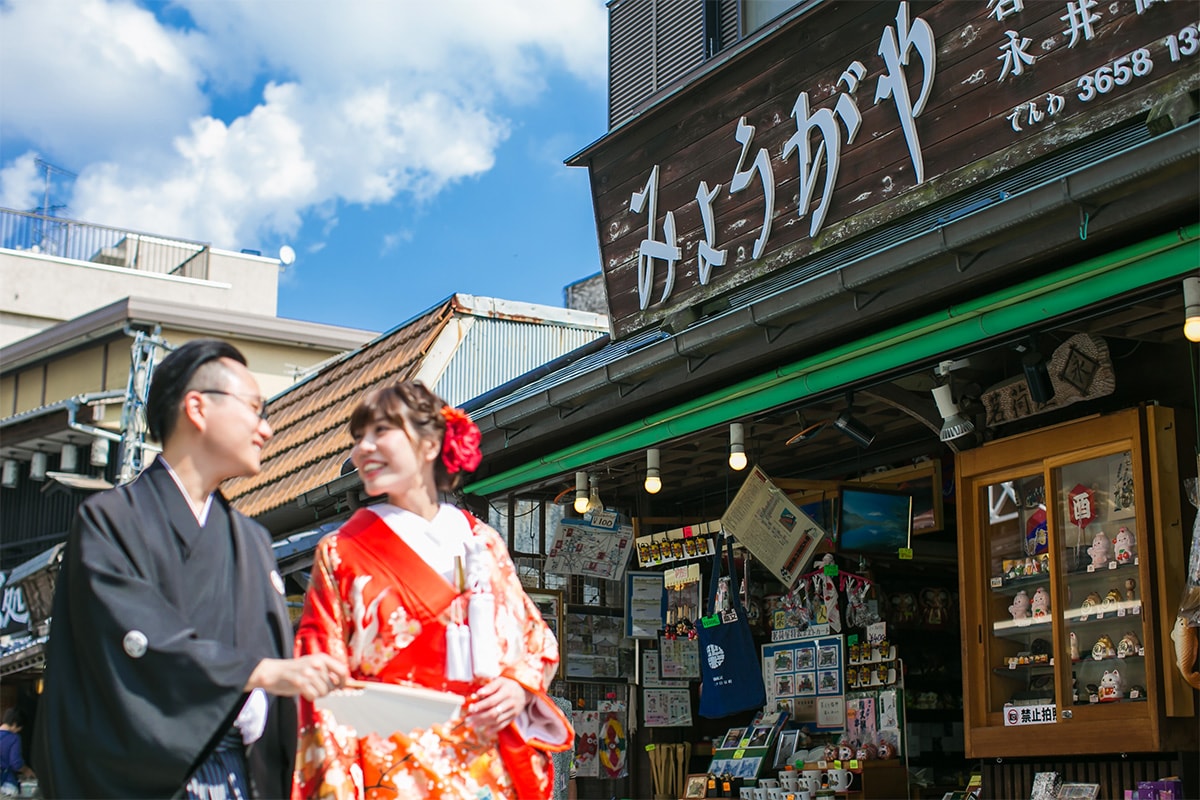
(1041, 582)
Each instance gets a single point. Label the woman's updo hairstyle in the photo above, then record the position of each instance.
(412, 406)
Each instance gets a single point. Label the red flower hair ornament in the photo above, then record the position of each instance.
(460, 446)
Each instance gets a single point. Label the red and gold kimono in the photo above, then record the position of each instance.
(375, 603)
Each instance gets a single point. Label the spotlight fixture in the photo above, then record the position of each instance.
(847, 424)
(1191, 309)
(737, 446)
(594, 502)
(37, 467)
(653, 475)
(1037, 376)
(581, 492)
(954, 424)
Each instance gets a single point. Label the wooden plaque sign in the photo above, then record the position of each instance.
(857, 114)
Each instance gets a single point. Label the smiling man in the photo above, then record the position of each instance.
(167, 673)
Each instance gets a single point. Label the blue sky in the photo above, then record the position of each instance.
(406, 150)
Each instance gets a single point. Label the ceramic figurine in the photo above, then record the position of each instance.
(1137, 692)
(1111, 686)
(831, 752)
(1040, 604)
(1112, 600)
(1074, 688)
(1103, 648)
(1129, 645)
(865, 752)
(882, 672)
(1074, 647)
(1093, 600)
(1100, 551)
(1130, 585)
(1020, 606)
(845, 752)
(886, 750)
(1124, 545)
(1093, 693)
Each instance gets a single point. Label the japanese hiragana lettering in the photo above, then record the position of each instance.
(650, 248)
(766, 176)
(707, 256)
(896, 47)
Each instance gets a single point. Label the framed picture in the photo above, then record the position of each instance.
(644, 604)
(696, 785)
(550, 604)
(924, 482)
(785, 748)
(874, 520)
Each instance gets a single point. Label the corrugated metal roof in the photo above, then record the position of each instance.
(484, 343)
(496, 352)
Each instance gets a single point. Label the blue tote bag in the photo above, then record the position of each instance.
(730, 669)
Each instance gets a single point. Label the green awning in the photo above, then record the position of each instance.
(1094, 281)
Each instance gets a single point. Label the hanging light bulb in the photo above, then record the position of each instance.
(653, 475)
(737, 446)
(581, 492)
(1191, 309)
(594, 502)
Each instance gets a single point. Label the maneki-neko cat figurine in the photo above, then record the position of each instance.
(1111, 687)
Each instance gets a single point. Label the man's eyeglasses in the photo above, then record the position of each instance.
(258, 405)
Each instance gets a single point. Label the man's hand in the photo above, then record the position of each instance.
(496, 705)
(310, 676)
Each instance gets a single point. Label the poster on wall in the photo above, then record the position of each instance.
(587, 733)
(773, 528)
(586, 547)
(664, 708)
(593, 645)
(804, 677)
(612, 743)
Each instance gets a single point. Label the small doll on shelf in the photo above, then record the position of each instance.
(1040, 605)
(1100, 551)
(1124, 546)
(1092, 602)
(1130, 586)
(1020, 606)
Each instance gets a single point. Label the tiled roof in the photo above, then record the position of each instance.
(311, 440)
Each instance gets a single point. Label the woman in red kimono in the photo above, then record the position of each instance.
(419, 593)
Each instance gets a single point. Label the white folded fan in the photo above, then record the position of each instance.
(385, 708)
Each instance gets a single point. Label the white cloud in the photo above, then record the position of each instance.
(20, 183)
(93, 79)
(370, 99)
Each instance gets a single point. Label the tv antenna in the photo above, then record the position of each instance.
(50, 169)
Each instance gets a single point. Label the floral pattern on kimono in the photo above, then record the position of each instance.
(378, 606)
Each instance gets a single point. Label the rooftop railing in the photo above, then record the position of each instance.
(98, 244)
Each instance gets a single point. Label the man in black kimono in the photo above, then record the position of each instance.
(168, 669)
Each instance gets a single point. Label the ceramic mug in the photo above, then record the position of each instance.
(774, 793)
(746, 793)
(759, 793)
(811, 779)
(789, 780)
(768, 783)
(841, 780)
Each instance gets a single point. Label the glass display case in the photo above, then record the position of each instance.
(1070, 559)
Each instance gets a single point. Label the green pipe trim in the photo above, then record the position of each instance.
(1029, 303)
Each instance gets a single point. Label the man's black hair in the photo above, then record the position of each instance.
(12, 718)
(171, 378)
